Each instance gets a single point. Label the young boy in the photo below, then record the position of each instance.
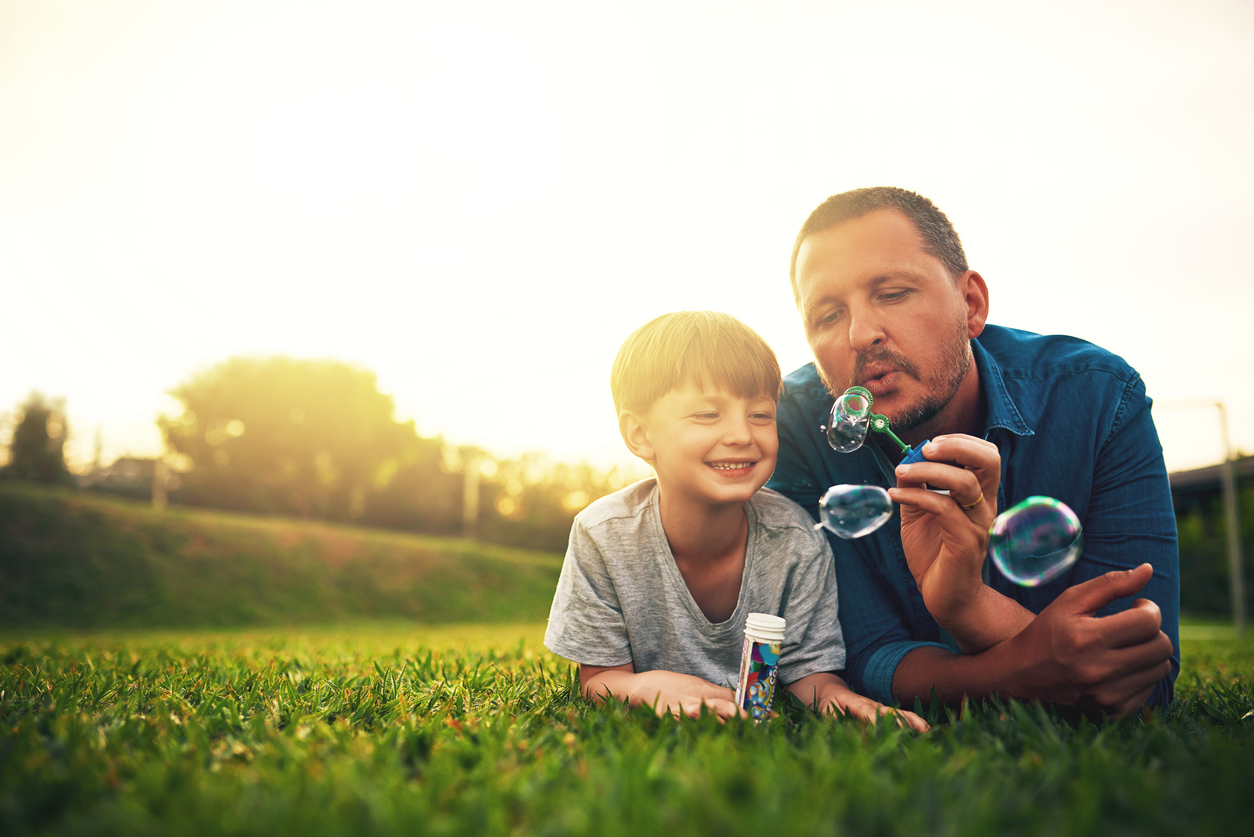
(660, 577)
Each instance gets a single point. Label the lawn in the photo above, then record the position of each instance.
(396, 728)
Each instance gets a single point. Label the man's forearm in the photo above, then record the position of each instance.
(1065, 655)
(992, 618)
(953, 676)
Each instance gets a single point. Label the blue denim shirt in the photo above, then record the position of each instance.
(1072, 421)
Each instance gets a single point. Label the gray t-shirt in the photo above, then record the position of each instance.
(621, 598)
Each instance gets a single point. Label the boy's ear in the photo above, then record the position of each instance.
(635, 434)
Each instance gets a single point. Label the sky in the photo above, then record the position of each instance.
(480, 201)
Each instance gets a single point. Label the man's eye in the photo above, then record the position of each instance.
(894, 296)
(831, 318)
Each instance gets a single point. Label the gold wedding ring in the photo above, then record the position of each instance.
(969, 506)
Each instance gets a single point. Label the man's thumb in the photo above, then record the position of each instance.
(1094, 594)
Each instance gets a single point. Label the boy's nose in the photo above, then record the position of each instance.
(737, 432)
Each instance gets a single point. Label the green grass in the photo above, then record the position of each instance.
(76, 560)
(404, 729)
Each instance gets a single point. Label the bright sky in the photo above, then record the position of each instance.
(479, 201)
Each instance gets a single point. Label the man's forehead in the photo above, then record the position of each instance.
(871, 249)
(881, 233)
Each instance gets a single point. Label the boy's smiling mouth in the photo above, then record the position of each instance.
(725, 465)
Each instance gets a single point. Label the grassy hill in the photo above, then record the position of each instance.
(75, 560)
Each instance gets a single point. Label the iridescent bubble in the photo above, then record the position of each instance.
(1035, 540)
(851, 511)
(847, 426)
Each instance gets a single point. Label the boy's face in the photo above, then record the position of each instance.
(712, 448)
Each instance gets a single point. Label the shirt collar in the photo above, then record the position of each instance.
(1002, 411)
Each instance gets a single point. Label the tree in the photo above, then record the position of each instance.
(313, 437)
(37, 451)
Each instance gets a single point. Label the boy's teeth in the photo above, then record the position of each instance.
(729, 466)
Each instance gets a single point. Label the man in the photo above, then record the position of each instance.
(889, 303)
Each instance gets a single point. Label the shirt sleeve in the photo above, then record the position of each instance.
(1130, 521)
(586, 623)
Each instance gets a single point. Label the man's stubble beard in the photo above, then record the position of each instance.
(939, 390)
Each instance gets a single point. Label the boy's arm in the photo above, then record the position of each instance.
(827, 694)
(665, 691)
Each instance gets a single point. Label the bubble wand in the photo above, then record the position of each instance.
(851, 418)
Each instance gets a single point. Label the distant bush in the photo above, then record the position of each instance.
(82, 561)
(1204, 572)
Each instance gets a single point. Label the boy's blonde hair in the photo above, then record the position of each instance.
(712, 351)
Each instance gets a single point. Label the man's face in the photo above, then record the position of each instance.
(881, 312)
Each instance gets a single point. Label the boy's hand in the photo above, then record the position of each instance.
(681, 695)
(827, 694)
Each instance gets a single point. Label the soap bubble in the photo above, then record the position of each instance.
(851, 511)
(847, 426)
(1035, 540)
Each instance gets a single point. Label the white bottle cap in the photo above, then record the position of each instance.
(763, 627)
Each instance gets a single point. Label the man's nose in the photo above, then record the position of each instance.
(865, 330)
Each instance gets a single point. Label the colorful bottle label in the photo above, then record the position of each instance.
(756, 686)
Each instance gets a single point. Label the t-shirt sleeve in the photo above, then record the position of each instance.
(586, 622)
(814, 640)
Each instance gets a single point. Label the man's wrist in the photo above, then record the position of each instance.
(988, 619)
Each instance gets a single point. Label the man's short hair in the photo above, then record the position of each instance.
(712, 351)
(940, 239)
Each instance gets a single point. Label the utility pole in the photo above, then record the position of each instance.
(1234, 528)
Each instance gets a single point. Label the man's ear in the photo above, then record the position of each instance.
(975, 294)
(635, 434)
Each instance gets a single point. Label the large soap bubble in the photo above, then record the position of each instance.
(849, 421)
(851, 511)
(1033, 541)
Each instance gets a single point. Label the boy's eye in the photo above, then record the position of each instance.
(709, 416)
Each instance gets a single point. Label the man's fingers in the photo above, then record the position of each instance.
(957, 454)
(1134, 626)
(942, 475)
(921, 499)
(1092, 595)
(1147, 658)
(1126, 695)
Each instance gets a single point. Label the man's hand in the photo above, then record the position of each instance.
(1110, 663)
(665, 691)
(945, 537)
(827, 694)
